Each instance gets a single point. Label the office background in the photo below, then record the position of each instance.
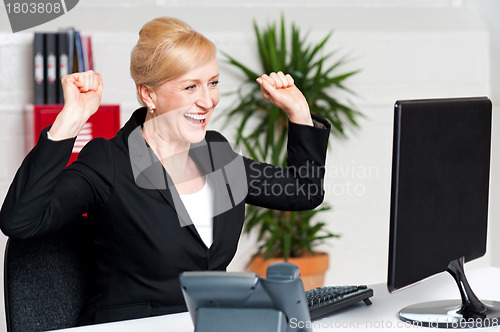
(405, 49)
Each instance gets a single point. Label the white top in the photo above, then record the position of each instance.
(200, 207)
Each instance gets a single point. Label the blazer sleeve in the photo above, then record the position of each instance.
(299, 185)
(45, 195)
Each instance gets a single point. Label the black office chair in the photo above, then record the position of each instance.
(47, 279)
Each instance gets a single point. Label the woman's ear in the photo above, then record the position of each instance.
(147, 95)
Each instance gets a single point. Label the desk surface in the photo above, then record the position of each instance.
(381, 315)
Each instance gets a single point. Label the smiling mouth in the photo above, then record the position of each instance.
(196, 118)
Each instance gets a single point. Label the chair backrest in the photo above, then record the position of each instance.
(47, 279)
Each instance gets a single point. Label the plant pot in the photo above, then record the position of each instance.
(312, 268)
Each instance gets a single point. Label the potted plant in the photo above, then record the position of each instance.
(286, 235)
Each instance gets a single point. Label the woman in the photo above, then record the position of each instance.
(164, 194)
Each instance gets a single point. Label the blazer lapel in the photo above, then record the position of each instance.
(147, 170)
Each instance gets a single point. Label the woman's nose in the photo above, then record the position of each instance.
(205, 99)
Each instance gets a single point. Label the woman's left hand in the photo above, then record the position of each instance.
(280, 90)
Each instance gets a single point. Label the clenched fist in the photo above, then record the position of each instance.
(82, 96)
(280, 90)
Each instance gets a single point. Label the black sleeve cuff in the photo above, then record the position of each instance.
(56, 150)
(308, 142)
(318, 123)
(44, 135)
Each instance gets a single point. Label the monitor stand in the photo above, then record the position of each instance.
(469, 313)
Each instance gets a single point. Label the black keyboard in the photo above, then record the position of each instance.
(325, 300)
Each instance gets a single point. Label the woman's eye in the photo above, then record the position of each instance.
(191, 87)
(214, 83)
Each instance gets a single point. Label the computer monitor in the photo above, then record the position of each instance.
(439, 203)
(244, 302)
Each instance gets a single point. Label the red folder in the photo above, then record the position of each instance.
(104, 123)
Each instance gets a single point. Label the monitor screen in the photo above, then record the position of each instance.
(440, 185)
(439, 202)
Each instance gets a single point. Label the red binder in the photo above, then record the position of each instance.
(104, 123)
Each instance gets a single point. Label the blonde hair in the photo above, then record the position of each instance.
(167, 48)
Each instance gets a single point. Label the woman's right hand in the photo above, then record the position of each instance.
(82, 96)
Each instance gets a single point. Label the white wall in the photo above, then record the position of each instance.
(405, 49)
(490, 10)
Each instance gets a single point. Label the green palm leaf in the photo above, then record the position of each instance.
(288, 234)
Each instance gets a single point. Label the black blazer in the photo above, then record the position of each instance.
(144, 238)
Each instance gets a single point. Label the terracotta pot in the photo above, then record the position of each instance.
(312, 268)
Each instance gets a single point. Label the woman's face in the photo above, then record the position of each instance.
(184, 105)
